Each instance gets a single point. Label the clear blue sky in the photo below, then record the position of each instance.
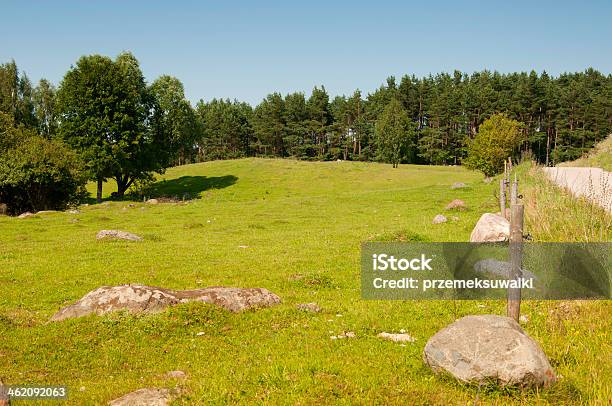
(248, 49)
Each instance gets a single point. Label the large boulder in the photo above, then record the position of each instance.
(133, 298)
(148, 299)
(486, 348)
(145, 397)
(232, 299)
(491, 228)
(117, 234)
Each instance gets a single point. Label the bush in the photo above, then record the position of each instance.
(498, 137)
(39, 174)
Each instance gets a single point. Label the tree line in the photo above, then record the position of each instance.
(117, 126)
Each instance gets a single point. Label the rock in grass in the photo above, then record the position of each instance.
(489, 348)
(491, 228)
(458, 185)
(133, 298)
(456, 204)
(398, 338)
(439, 219)
(148, 299)
(232, 299)
(117, 234)
(145, 397)
(309, 307)
(152, 201)
(25, 215)
(176, 375)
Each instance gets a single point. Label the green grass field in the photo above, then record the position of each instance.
(294, 228)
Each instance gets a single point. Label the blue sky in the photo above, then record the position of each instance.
(248, 49)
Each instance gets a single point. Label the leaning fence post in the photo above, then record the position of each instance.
(516, 260)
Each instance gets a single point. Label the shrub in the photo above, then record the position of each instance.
(498, 137)
(39, 174)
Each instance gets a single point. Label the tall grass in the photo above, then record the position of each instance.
(553, 214)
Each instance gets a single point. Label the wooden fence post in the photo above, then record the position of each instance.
(513, 308)
(502, 197)
(514, 192)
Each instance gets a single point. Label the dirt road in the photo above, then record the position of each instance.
(594, 184)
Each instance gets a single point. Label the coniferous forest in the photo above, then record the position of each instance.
(562, 116)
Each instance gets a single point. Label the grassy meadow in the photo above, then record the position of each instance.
(294, 228)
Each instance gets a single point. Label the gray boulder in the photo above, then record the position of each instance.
(458, 185)
(117, 234)
(25, 215)
(485, 348)
(145, 397)
(133, 298)
(232, 299)
(491, 228)
(148, 299)
(439, 219)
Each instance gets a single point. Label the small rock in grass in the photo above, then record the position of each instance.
(152, 201)
(458, 185)
(73, 211)
(145, 397)
(398, 338)
(200, 333)
(243, 246)
(309, 307)
(524, 319)
(439, 219)
(456, 204)
(121, 235)
(176, 374)
(347, 334)
(25, 215)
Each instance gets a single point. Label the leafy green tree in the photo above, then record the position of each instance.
(16, 95)
(177, 115)
(498, 138)
(110, 118)
(45, 108)
(394, 134)
(37, 173)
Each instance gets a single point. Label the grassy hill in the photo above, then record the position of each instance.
(600, 156)
(296, 229)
